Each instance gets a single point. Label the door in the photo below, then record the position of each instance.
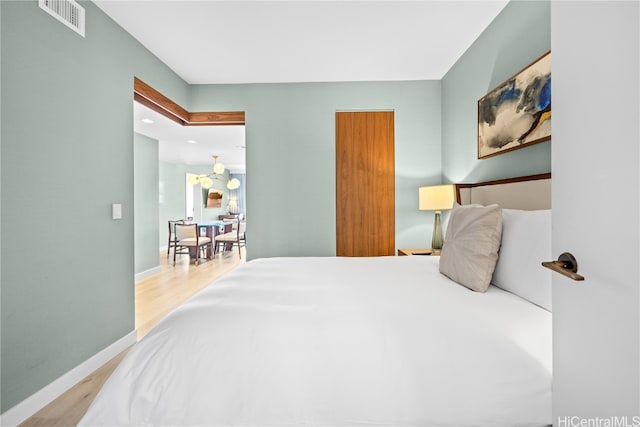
(596, 134)
(365, 183)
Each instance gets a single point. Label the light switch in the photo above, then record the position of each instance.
(116, 211)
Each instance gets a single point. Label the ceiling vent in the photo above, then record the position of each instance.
(68, 12)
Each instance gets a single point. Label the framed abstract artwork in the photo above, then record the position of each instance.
(517, 113)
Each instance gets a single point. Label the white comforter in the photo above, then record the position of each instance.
(337, 342)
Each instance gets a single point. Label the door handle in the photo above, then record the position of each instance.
(565, 265)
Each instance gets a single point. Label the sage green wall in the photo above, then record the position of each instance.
(171, 197)
(517, 36)
(290, 154)
(67, 155)
(146, 206)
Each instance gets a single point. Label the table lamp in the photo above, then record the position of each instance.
(436, 198)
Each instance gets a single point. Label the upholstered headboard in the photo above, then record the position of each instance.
(527, 192)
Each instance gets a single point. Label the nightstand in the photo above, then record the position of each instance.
(419, 251)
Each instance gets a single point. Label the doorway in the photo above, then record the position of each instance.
(172, 154)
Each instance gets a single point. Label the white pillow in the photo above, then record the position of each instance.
(526, 242)
(471, 245)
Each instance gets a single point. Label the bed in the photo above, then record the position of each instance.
(330, 341)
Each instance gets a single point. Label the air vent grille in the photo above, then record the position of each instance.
(68, 12)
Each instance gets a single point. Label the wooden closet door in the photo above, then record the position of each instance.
(365, 183)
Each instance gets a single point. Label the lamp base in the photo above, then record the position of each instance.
(436, 239)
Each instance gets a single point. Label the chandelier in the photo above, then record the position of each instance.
(206, 181)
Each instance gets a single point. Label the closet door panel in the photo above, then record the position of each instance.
(365, 183)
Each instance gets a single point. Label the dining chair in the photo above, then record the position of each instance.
(233, 237)
(224, 229)
(189, 241)
(172, 234)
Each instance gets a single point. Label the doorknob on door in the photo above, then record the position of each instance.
(566, 265)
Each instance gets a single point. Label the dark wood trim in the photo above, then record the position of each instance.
(501, 181)
(219, 118)
(151, 98)
(155, 97)
(158, 109)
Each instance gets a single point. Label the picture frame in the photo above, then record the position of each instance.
(517, 113)
(212, 197)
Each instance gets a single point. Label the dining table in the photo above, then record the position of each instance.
(212, 228)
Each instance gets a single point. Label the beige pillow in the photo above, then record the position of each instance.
(471, 245)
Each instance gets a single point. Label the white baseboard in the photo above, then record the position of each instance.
(48, 393)
(147, 273)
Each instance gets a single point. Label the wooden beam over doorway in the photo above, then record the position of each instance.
(151, 98)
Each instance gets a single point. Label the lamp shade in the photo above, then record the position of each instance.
(218, 168)
(435, 197)
(233, 183)
(206, 182)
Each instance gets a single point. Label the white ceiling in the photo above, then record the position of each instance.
(208, 42)
(212, 42)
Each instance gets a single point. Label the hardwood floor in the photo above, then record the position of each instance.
(160, 294)
(156, 296)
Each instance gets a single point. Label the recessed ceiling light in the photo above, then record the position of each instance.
(146, 120)
(191, 141)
